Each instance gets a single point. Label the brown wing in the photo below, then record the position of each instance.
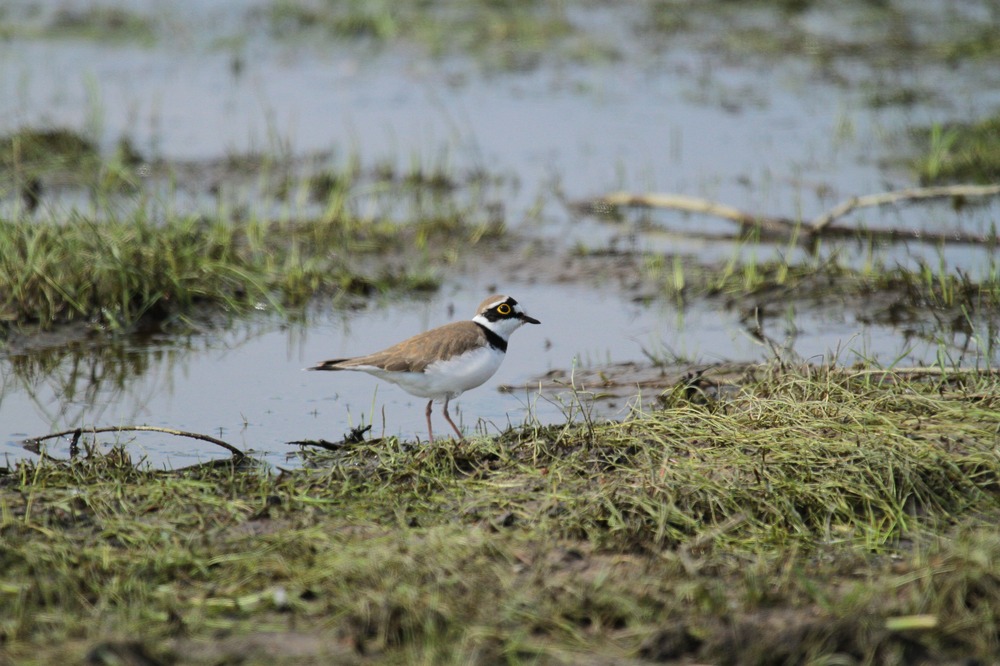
(416, 353)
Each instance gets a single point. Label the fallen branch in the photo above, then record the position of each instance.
(76, 432)
(776, 225)
(355, 436)
(898, 196)
(822, 225)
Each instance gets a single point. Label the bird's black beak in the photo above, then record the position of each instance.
(530, 320)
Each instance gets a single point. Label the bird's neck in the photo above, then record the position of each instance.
(496, 340)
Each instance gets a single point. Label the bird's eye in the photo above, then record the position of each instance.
(503, 309)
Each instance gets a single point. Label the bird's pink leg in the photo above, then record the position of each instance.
(430, 431)
(448, 417)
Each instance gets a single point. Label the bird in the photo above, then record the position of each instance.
(444, 362)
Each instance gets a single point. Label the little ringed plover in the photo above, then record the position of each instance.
(444, 362)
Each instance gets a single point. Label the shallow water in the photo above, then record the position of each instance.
(247, 387)
(776, 137)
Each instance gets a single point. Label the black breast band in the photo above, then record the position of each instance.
(495, 340)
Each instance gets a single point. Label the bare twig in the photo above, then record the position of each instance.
(777, 225)
(822, 225)
(169, 431)
(320, 443)
(897, 235)
(899, 196)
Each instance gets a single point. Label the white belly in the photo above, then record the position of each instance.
(447, 379)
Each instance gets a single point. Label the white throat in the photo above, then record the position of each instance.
(502, 327)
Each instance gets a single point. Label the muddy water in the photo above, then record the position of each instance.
(774, 137)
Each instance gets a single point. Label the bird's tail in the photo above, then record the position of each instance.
(333, 364)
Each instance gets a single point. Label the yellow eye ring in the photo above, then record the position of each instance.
(503, 309)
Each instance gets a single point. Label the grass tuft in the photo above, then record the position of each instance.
(119, 273)
(960, 152)
(508, 36)
(126, 262)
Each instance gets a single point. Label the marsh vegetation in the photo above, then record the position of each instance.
(808, 504)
